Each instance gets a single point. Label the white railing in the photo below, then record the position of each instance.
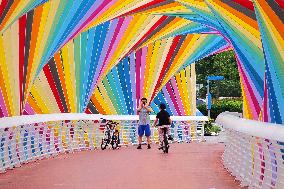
(254, 151)
(31, 137)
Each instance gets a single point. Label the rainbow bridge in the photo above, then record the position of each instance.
(66, 65)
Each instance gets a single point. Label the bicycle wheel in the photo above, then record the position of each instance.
(166, 144)
(114, 142)
(104, 144)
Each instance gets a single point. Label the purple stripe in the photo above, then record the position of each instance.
(169, 101)
(177, 94)
(138, 69)
(143, 64)
(118, 39)
(29, 110)
(170, 91)
(2, 105)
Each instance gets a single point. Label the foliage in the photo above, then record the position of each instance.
(209, 128)
(223, 64)
(231, 105)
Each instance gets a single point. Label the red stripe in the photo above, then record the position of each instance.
(280, 3)
(246, 3)
(51, 83)
(88, 111)
(166, 64)
(22, 39)
(163, 18)
(3, 6)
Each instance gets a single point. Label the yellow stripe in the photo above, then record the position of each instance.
(160, 62)
(101, 100)
(107, 99)
(39, 100)
(12, 74)
(274, 32)
(147, 69)
(201, 5)
(41, 90)
(67, 65)
(193, 88)
(118, 8)
(66, 72)
(185, 96)
(189, 90)
(15, 67)
(5, 74)
(153, 68)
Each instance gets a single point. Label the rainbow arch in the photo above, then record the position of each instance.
(76, 52)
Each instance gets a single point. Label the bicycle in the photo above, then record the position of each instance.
(111, 136)
(165, 142)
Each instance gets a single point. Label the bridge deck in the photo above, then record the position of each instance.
(188, 166)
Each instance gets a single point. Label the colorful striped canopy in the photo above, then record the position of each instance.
(103, 56)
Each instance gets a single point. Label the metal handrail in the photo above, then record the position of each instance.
(33, 137)
(38, 118)
(254, 151)
(251, 127)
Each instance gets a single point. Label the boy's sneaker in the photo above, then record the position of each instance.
(139, 146)
(149, 147)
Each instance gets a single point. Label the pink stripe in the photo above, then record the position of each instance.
(265, 116)
(2, 105)
(253, 104)
(143, 67)
(29, 110)
(222, 49)
(170, 92)
(118, 39)
(177, 94)
(138, 77)
(252, 87)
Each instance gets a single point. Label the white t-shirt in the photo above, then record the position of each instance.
(144, 117)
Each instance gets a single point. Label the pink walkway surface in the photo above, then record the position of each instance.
(187, 166)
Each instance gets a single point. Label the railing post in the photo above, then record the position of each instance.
(33, 140)
(252, 153)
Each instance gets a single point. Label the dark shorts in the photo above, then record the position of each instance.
(144, 129)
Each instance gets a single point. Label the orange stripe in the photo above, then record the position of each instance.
(272, 17)
(98, 105)
(36, 23)
(60, 71)
(34, 105)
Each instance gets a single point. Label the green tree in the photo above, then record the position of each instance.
(223, 64)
